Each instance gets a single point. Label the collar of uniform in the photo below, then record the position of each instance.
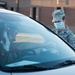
(64, 31)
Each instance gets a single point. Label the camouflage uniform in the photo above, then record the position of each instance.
(67, 35)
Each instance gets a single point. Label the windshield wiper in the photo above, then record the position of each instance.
(65, 63)
(29, 68)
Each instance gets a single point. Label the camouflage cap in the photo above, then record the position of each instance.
(58, 15)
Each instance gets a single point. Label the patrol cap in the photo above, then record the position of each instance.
(58, 15)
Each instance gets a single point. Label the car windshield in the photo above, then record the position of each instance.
(24, 41)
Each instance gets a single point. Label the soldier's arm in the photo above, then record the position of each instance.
(71, 40)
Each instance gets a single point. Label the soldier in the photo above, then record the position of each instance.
(61, 29)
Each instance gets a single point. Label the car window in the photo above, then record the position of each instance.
(26, 42)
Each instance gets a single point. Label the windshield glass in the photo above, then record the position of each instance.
(23, 41)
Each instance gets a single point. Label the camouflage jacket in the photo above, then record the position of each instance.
(67, 35)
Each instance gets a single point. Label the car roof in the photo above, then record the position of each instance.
(2, 10)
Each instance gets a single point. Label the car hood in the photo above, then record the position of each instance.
(61, 71)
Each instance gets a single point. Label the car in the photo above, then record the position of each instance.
(28, 47)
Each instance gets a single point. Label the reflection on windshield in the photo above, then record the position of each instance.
(25, 42)
(21, 63)
(28, 37)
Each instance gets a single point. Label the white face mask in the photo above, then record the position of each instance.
(59, 25)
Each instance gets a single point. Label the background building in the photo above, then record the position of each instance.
(41, 10)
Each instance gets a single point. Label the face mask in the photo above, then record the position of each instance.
(59, 25)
